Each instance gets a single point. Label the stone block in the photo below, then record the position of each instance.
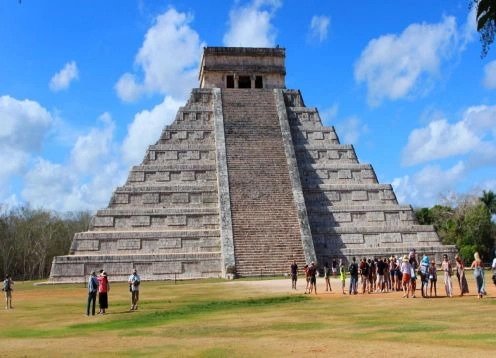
(180, 198)
(140, 220)
(352, 239)
(103, 221)
(129, 244)
(344, 174)
(88, 245)
(151, 198)
(359, 195)
(121, 198)
(375, 216)
(176, 220)
(136, 176)
(188, 175)
(171, 243)
(391, 238)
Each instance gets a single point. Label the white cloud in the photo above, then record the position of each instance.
(62, 79)
(174, 74)
(147, 127)
(250, 26)
(90, 148)
(440, 139)
(318, 27)
(87, 179)
(24, 126)
(351, 129)
(424, 187)
(489, 80)
(395, 66)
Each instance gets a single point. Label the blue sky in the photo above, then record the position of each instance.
(86, 86)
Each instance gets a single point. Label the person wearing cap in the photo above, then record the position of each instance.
(103, 288)
(134, 283)
(92, 289)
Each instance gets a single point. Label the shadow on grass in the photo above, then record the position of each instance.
(137, 320)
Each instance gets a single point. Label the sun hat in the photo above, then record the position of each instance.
(405, 258)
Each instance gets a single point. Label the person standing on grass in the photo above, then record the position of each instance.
(334, 266)
(424, 274)
(460, 274)
(134, 285)
(327, 277)
(7, 289)
(432, 272)
(353, 276)
(103, 288)
(447, 271)
(406, 270)
(342, 274)
(294, 274)
(493, 266)
(478, 267)
(307, 278)
(92, 289)
(312, 271)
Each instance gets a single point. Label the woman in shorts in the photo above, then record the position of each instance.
(406, 270)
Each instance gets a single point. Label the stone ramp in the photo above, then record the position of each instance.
(266, 231)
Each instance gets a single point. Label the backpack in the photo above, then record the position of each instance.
(365, 269)
(353, 269)
(6, 285)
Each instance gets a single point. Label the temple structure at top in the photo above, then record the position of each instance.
(243, 181)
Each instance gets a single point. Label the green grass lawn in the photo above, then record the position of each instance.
(213, 318)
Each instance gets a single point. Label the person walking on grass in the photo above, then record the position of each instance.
(306, 269)
(7, 289)
(342, 275)
(353, 268)
(478, 267)
(460, 275)
(312, 271)
(92, 289)
(134, 285)
(327, 277)
(294, 274)
(447, 269)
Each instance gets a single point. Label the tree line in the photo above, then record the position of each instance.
(30, 238)
(468, 224)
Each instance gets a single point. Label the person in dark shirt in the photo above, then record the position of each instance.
(294, 274)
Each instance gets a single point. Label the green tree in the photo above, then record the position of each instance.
(489, 200)
(486, 22)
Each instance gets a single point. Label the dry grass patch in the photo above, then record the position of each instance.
(243, 319)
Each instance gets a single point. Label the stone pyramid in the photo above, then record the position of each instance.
(245, 180)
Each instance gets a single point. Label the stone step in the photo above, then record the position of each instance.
(72, 268)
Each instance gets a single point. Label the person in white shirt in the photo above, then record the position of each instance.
(134, 284)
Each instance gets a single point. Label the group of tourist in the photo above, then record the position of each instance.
(396, 274)
(100, 284)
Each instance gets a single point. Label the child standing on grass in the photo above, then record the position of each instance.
(432, 272)
(342, 274)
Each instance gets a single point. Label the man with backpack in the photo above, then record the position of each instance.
(353, 276)
(7, 288)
